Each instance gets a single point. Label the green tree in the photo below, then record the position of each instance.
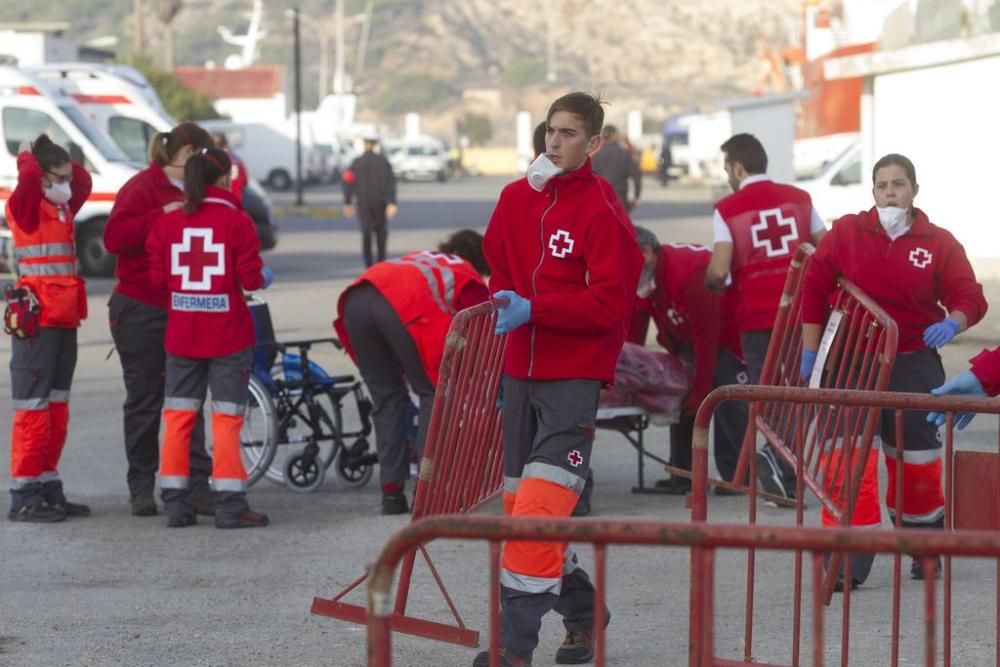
(522, 72)
(180, 101)
(478, 128)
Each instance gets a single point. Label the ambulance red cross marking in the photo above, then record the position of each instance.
(774, 232)
(197, 259)
(575, 458)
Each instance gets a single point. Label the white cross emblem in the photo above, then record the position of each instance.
(675, 318)
(770, 234)
(575, 458)
(206, 260)
(561, 244)
(921, 257)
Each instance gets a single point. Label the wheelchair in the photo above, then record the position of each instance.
(294, 427)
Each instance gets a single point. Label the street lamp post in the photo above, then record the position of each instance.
(324, 49)
(298, 110)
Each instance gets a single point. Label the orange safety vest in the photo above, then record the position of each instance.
(46, 259)
(422, 288)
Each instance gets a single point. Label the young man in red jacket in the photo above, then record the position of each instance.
(757, 230)
(567, 264)
(698, 326)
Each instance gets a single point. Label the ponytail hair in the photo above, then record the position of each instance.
(203, 169)
(164, 146)
(467, 244)
(48, 153)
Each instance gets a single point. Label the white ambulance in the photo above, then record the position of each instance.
(28, 107)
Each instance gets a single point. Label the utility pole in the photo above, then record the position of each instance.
(138, 30)
(324, 61)
(298, 109)
(338, 76)
(550, 42)
(359, 61)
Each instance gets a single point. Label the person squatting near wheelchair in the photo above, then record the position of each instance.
(50, 190)
(920, 275)
(700, 328)
(567, 264)
(137, 315)
(393, 321)
(205, 255)
(756, 232)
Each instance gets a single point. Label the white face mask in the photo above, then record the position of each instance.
(58, 193)
(895, 221)
(541, 171)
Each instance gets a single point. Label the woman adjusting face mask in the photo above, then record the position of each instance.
(56, 184)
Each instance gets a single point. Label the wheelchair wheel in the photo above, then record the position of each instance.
(304, 473)
(355, 464)
(291, 443)
(257, 437)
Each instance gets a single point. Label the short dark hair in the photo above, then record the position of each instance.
(748, 151)
(538, 138)
(645, 237)
(48, 153)
(467, 244)
(899, 161)
(586, 106)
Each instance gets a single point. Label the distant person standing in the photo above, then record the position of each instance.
(239, 177)
(614, 162)
(370, 180)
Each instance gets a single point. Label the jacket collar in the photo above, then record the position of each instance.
(161, 177)
(215, 192)
(574, 179)
(921, 225)
(755, 178)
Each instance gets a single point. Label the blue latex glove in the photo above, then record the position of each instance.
(268, 277)
(940, 333)
(807, 363)
(964, 384)
(514, 314)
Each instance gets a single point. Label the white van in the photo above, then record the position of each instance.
(267, 149)
(839, 188)
(418, 158)
(28, 107)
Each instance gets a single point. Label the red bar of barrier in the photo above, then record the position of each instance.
(462, 465)
(701, 538)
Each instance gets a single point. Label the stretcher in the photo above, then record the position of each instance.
(631, 421)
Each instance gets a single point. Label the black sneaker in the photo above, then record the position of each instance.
(143, 504)
(248, 519)
(839, 586)
(182, 521)
(506, 660)
(36, 512)
(394, 503)
(73, 509)
(674, 486)
(917, 569)
(769, 475)
(203, 500)
(577, 648)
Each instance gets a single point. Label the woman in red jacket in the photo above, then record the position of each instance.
(204, 255)
(919, 274)
(50, 190)
(137, 313)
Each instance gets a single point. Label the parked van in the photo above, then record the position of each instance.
(268, 149)
(28, 107)
(418, 158)
(120, 101)
(838, 189)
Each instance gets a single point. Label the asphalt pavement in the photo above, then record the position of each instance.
(114, 589)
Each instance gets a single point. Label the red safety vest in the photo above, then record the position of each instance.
(423, 289)
(46, 260)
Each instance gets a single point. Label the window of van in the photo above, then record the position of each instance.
(419, 151)
(132, 136)
(99, 140)
(26, 124)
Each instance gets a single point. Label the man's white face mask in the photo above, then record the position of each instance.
(58, 193)
(895, 220)
(541, 171)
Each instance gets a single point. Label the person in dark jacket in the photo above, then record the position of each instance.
(370, 181)
(614, 162)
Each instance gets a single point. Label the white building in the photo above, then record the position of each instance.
(37, 43)
(254, 94)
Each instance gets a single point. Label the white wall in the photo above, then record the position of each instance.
(36, 48)
(946, 119)
(774, 125)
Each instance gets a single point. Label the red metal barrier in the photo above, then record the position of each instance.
(462, 465)
(703, 539)
(985, 467)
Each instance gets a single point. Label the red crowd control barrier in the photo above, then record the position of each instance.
(974, 473)
(462, 465)
(704, 540)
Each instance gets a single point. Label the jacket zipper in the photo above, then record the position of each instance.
(534, 288)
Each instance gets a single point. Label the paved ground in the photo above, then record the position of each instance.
(119, 590)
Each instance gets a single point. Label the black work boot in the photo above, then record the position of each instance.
(28, 505)
(917, 569)
(394, 503)
(202, 498)
(52, 491)
(577, 648)
(178, 507)
(507, 659)
(233, 511)
(143, 503)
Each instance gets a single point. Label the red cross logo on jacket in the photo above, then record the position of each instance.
(575, 458)
(197, 259)
(921, 257)
(561, 244)
(774, 232)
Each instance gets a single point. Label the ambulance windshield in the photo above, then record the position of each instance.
(104, 146)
